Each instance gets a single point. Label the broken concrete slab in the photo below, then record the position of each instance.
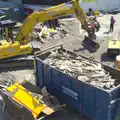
(81, 69)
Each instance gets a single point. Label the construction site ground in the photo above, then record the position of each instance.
(71, 41)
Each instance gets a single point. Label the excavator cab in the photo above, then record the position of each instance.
(8, 46)
(6, 29)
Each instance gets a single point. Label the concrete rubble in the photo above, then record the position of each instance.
(6, 79)
(81, 69)
(43, 33)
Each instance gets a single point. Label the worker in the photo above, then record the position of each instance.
(90, 12)
(112, 22)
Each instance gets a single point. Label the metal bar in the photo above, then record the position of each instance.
(47, 49)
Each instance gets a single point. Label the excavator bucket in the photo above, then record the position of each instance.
(90, 44)
(21, 103)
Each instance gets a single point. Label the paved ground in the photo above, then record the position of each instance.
(72, 42)
(76, 36)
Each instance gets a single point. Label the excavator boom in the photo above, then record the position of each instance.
(21, 44)
(49, 14)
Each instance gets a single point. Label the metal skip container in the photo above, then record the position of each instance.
(12, 11)
(92, 100)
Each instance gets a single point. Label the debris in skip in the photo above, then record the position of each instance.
(82, 69)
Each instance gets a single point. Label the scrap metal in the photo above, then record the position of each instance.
(20, 102)
(81, 69)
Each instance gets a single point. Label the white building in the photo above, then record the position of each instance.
(106, 5)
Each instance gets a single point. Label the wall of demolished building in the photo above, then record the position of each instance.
(106, 5)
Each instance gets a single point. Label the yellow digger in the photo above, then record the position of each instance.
(113, 47)
(20, 45)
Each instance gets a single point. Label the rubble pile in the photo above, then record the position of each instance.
(6, 79)
(81, 69)
(43, 33)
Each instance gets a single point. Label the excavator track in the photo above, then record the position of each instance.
(18, 62)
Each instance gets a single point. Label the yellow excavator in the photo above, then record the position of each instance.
(20, 45)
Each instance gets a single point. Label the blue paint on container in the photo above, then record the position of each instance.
(93, 102)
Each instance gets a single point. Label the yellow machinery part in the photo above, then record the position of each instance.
(52, 30)
(9, 49)
(6, 32)
(26, 47)
(114, 44)
(96, 13)
(1, 51)
(25, 98)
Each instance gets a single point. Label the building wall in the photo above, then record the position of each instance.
(106, 5)
(44, 2)
(12, 11)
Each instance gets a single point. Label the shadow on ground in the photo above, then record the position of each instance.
(29, 86)
(64, 114)
(15, 69)
(107, 32)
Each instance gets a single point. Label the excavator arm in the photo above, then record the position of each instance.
(20, 45)
(51, 13)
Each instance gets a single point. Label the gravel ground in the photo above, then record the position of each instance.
(72, 42)
(76, 36)
(18, 76)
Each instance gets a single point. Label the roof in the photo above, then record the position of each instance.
(16, 2)
(37, 7)
(7, 5)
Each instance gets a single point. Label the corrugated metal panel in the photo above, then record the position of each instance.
(106, 5)
(44, 2)
(15, 12)
(6, 5)
(63, 114)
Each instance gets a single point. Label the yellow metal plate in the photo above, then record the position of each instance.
(115, 44)
(51, 30)
(25, 98)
